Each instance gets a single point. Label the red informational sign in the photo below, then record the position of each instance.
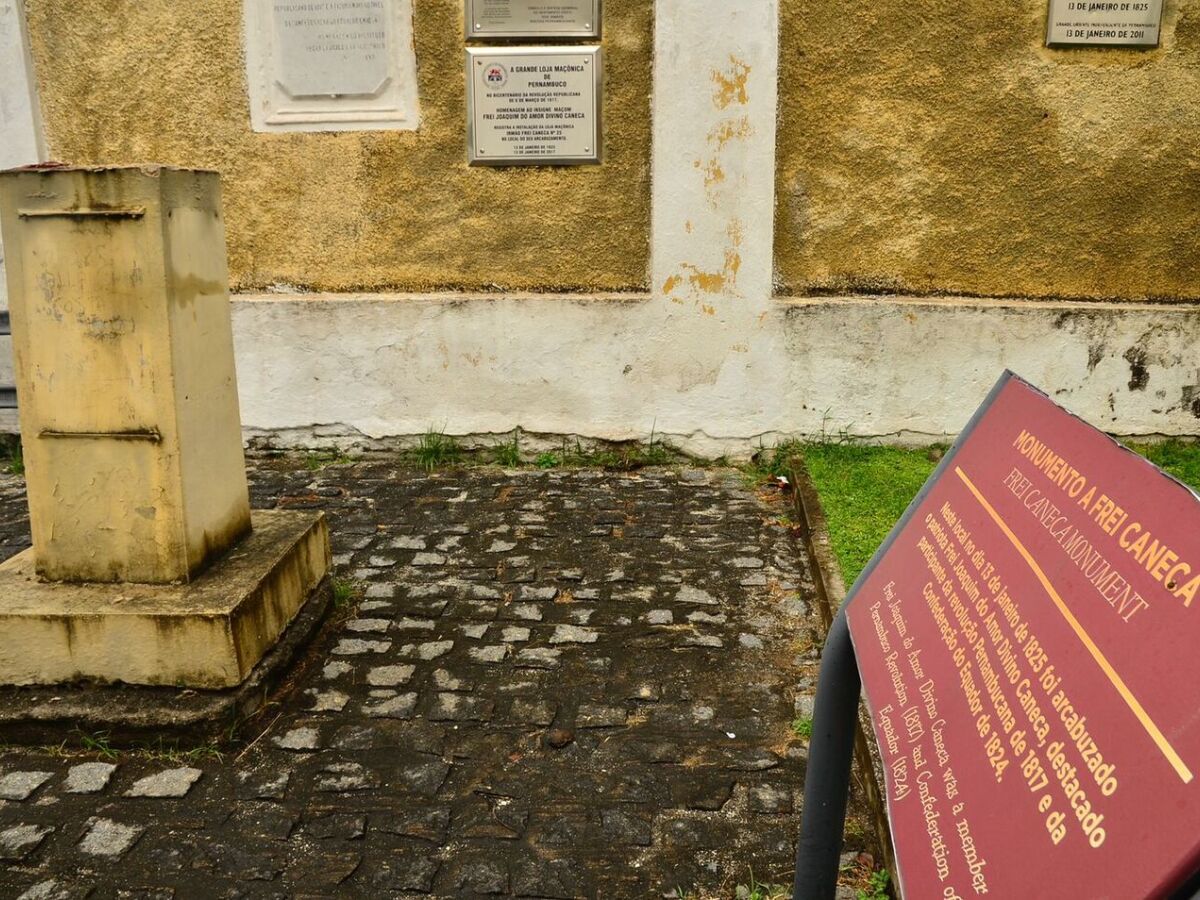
(1029, 643)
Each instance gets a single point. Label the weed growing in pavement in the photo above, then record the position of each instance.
(577, 457)
(877, 886)
(656, 453)
(508, 454)
(318, 460)
(802, 728)
(756, 890)
(435, 450)
(771, 462)
(344, 591)
(97, 743)
(172, 753)
(15, 465)
(625, 457)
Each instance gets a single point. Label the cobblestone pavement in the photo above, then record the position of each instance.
(556, 684)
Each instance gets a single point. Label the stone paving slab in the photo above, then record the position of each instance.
(555, 684)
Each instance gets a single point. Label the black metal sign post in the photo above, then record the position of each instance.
(830, 756)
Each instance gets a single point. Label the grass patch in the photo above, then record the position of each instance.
(864, 490)
(802, 728)
(435, 450)
(1179, 458)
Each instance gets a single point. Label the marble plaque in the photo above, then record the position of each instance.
(331, 65)
(534, 105)
(1102, 23)
(532, 18)
(331, 47)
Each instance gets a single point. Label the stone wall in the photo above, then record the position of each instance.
(940, 147)
(164, 81)
(387, 289)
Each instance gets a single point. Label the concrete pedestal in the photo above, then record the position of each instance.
(123, 351)
(209, 633)
(147, 567)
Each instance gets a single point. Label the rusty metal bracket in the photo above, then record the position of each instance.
(135, 212)
(137, 434)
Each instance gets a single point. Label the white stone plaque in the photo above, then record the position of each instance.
(331, 65)
(532, 18)
(332, 48)
(534, 105)
(1103, 23)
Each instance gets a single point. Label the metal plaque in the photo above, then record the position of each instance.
(1092, 23)
(533, 105)
(532, 18)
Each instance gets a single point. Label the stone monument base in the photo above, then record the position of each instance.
(141, 660)
(143, 715)
(207, 634)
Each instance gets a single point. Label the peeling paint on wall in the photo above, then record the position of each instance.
(723, 281)
(730, 84)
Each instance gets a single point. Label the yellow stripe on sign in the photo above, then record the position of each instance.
(1127, 695)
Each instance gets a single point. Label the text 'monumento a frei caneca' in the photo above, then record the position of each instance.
(1027, 641)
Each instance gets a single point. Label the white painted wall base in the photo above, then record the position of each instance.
(375, 371)
(21, 140)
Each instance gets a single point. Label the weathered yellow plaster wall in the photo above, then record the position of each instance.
(938, 146)
(164, 81)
